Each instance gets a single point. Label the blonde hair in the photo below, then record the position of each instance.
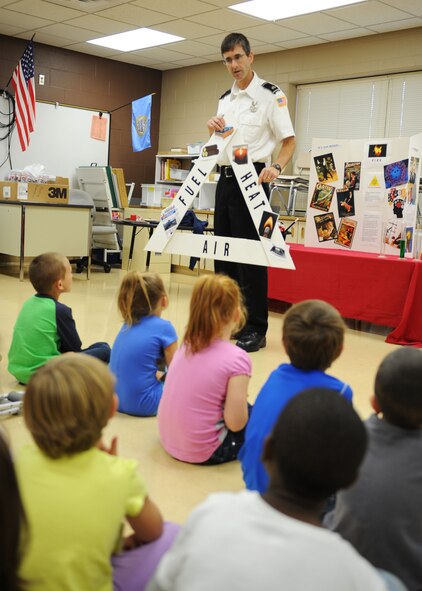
(214, 302)
(139, 295)
(46, 269)
(68, 402)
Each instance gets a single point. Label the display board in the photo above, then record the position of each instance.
(61, 141)
(363, 194)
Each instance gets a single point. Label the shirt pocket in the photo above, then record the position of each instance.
(253, 125)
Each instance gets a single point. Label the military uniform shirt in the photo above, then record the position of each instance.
(260, 114)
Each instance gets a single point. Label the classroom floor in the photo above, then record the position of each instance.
(176, 487)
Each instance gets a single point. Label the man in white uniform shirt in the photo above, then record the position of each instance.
(259, 111)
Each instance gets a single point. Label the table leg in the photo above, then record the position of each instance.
(148, 259)
(22, 246)
(132, 244)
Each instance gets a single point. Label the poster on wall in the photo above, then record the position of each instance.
(363, 194)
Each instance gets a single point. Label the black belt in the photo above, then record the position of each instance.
(228, 172)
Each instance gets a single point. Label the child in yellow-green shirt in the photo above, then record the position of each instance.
(76, 495)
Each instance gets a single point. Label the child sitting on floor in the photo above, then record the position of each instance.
(143, 343)
(45, 327)
(313, 333)
(76, 495)
(13, 530)
(244, 541)
(381, 513)
(204, 409)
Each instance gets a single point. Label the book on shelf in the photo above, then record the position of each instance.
(179, 150)
(171, 163)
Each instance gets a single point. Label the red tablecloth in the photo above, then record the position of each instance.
(383, 290)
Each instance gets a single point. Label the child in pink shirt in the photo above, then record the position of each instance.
(204, 410)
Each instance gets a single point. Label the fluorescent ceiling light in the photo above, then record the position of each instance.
(137, 39)
(274, 10)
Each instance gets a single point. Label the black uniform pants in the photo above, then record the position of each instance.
(232, 218)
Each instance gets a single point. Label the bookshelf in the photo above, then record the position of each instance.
(172, 169)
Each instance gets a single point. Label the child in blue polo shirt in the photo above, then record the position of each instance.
(313, 333)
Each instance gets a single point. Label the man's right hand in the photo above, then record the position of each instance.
(216, 123)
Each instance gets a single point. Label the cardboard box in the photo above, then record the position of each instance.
(195, 148)
(57, 192)
(178, 174)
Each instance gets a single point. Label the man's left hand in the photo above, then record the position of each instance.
(268, 175)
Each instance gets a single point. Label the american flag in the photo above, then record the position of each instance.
(24, 84)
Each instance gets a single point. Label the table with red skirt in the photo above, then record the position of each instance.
(384, 290)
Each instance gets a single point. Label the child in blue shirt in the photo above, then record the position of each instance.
(313, 333)
(144, 343)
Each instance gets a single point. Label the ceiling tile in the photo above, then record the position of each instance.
(88, 6)
(214, 57)
(161, 54)
(102, 25)
(134, 15)
(166, 66)
(224, 3)
(192, 61)
(46, 39)
(316, 24)
(136, 60)
(193, 48)
(303, 42)
(203, 24)
(225, 20)
(25, 21)
(186, 29)
(350, 34)
(11, 29)
(272, 33)
(178, 9)
(53, 11)
(260, 49)
(369, 13)
(92, 50)
(67, 32)
(413, 7)
(408, 23)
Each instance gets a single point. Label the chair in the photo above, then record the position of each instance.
(294, 184)
(104, 232)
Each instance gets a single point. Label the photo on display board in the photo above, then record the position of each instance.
(377, 150)
(413, 169)
(326, 227)
(409, 238)
(396, 173)
(345, 202)
(411, 193)
(397, 197)
(393, 232)
(352, 175)
(240, 154)
(322, 196)
(325, 168)
(267, 224)
(346, 232)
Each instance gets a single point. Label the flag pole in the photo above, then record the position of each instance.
(127, 104)
(10, 79)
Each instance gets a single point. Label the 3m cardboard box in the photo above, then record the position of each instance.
(57, 192)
